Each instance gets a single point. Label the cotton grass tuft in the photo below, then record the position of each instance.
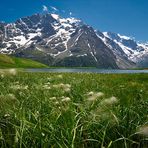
(110, 101)
(64, 87)
(65, 99)
(92, 96)
(143, 130)
(11, 71)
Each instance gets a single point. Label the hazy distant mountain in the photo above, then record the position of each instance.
(53, 40)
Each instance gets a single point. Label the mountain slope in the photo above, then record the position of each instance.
(12, 62)
(53, 40)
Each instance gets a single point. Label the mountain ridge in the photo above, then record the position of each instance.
(57, 41)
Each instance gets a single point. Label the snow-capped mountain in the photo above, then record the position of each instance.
(127, 46)
(54, 40)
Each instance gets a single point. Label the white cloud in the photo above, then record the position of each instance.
(70, 13)
(45, 8)
(54, 8)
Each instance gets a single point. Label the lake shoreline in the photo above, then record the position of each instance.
(84, 70)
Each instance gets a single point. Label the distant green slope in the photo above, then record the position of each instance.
(13, 62)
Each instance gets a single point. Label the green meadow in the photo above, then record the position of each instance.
(73, 110)
(13, 62)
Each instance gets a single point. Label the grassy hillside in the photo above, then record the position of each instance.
(73, 110)
(13, 62)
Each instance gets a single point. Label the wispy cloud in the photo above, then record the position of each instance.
(70, 13)
(45, 8)
(54, 8)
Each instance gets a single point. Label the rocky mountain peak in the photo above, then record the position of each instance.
(68, 42)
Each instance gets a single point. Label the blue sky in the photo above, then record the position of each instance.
(127, 17)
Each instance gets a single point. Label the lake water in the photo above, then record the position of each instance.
(86, 70)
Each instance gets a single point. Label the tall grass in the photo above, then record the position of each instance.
(73, 110)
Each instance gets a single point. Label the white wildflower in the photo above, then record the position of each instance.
(15, 87)
(122, 86)
(143, 130)
(58, 85)
(25, 87)
(61, 85)
(94, 96)
(43, 134)
(59, 76)
(12, 71)
(57, 103)
(110, 101)
(67, 89)
(37, 112)
(49, 79)
(8, 72)
(99, 94)
(64, 87)
(66, 99)
(46, 87)
(55, 86)
(7, 115)
(11, 97)
(67, 85)
(8, 100)
(19, 87)
(2, 75)
(52, 98)
(48, 83)
(90, 93)
(17, 82)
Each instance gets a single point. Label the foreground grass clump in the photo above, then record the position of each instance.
(73, 110)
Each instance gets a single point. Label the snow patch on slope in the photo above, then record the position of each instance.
(55, 16)
(132, 54)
